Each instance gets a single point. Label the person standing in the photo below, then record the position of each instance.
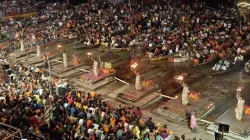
(193, 124)
(45, 61)
(65, 60)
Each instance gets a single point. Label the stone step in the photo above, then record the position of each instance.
(146, 100)
(94, 86)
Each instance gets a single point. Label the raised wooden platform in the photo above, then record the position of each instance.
(91, 82)
(33, 59)
(18, 54)
(129, 95)
(175, 111)
(133, 95)
(59, 71)
(59, 67)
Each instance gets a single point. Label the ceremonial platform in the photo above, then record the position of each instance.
(239, 130)
(18, 54)
(91, 82)
(127, 94)
(174, 110)
(130, 95)
(58, 69)
(213, 92)
(34, 59)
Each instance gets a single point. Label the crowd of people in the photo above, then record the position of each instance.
(228, 62)
(17, 7)
(28, 100)
(189, 31)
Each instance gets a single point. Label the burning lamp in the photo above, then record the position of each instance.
(76, 61)
(59, 46)
(238, 89)
(180, 78)
(134, 65)
(89, 54)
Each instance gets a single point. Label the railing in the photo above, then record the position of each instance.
(11, 132)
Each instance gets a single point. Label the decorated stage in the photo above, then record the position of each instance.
(18, 54)
(174, 110)
(91, 82)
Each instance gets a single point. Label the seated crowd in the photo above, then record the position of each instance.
(26, 103)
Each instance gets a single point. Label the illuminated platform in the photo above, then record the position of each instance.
(91, 82)
(174, 110)
(239, 130)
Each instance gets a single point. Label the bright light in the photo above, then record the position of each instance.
(59, 46)
(89, 53)
(17, 35)
(238, 89)
(180, 78)
(134, 65)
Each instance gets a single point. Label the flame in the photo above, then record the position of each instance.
(59, 46)
(134, 65)
(17, 35)
(180, 78)
(89, 53)
(238, 89)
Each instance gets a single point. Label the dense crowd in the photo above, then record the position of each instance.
(26, 103)
(187, 31)
(17, 7)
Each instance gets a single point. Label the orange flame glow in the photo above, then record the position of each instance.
(89, 53)
(238, 89)
(59, 46)
(180, 78)
(134, 65)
